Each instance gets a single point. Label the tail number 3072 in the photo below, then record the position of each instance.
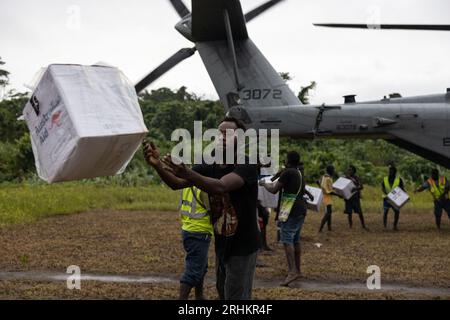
(260, 94)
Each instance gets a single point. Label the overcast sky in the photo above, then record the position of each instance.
(137, 35)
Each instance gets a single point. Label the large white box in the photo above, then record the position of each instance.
(344, 187)
(268, 200)
(85, 122)
(318, 198)
(397, 198)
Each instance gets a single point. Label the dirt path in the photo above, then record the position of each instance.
(308, 285)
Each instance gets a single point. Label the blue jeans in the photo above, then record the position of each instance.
(439, 206)
(196, 246)
(290, 230)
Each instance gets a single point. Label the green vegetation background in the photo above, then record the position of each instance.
(166, 110)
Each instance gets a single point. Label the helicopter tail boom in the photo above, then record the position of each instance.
(244, 77)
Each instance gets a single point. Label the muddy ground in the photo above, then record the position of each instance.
(148, 243)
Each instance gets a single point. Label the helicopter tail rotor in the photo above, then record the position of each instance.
(425, 27)
(175, 59)
(185, 53)
(180, 8)
(260, 9)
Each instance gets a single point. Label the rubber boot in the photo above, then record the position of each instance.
(199, 292)
(361, 218)
(185, 290)
(350, 220)
(396, 218)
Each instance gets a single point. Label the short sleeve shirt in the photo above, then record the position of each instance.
(292, 181)
(246, 239)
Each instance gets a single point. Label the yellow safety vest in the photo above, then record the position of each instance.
(195, 216)
(388, 187)
(437, 190)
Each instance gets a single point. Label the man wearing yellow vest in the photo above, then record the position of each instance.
(391, 182)
(439, 188)
(197, 231)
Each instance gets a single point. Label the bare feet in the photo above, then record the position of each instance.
(291, 277)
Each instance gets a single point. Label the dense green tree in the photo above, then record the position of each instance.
(304, 93)
(4, 75)
(285, 76)
(10, 110)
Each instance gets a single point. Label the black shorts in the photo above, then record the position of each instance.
(353, 205)
(263, 213)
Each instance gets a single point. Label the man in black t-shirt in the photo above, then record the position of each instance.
(291, 182)
(236, 241)
(354, 203)
(233, 193)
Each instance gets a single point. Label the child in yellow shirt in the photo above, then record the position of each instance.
(326, 184)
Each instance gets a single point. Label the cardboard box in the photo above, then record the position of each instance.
(343, 187)
(85, 122)
(318, 198)
(397, 198)
(268, 200)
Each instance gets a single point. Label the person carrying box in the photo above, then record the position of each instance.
(326, 184)
(354, 203)
(292, 212)
(439, 188)
(389, 183)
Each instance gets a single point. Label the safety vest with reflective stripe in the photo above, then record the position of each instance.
(387, 185)
(195, 216)
(437, 190)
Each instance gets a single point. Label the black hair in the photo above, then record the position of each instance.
(236, 121)
(352, 167)
(330, 169)
(293, 158)
(435, 172)
(392, 167)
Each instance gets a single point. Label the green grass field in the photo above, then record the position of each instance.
(26, 203)
(136, 231)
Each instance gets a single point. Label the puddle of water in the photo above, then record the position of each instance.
(313, 285)
(356, 286)
(118, 279)
(84, 277)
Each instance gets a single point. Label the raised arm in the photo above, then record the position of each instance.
(227, 183)
(273, 187)
(309, 194)
(152, 156)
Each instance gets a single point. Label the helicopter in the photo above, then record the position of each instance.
(251, 90)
